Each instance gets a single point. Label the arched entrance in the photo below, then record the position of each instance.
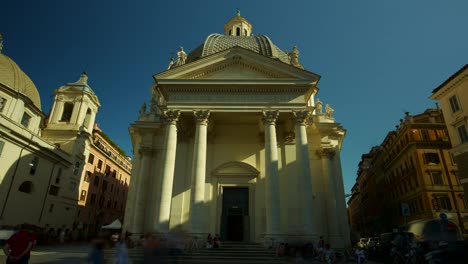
(235, 189)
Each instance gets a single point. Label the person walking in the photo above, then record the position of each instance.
(18, 247)
(121, 251)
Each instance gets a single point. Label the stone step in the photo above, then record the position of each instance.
(229, 253)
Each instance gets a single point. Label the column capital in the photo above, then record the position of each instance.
(201, 116)
(328, 153)
(270, 116)
(171, 116)
(302, 117)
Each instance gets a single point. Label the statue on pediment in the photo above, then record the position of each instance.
(318, 107)
(181, 57)
(171, 62)
(294, 57)
(143, 109)
(329, 111)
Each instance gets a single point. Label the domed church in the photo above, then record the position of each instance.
(234, 142)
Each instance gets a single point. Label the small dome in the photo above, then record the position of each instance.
(14, 78)
(261, 44)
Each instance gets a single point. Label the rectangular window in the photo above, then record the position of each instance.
(431, 158)
(425, 135)
(93, 198)
(107, 171)
(462, 133)
(67, 112)
(104, 186)
(51, 208)
(436, 177)
(91, 159)
(59, 174)
(454, 104)
(83, 195)
(72, 186)
(99, 164)
(54, 190)
(96, 180)
(34, 163)
(441, 202)
(25, 120)
(77, 168)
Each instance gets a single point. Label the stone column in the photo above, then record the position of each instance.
(140, 190)
(327, 155)
(199, 171)
(303, 166)
(161, 223)
(342, 214)
(271, 174)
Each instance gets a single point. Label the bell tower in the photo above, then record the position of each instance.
(72, 116)
(238, 26)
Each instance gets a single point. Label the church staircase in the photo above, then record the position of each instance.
(229, 253)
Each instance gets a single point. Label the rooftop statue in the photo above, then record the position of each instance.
(1, 42)
(318, 107)
(328, 111)
(181, 57)
(171, 62)
(293, 57)
(143, 109)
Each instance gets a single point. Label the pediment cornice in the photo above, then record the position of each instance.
(237, 57)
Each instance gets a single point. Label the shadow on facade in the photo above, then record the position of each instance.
(40, 191)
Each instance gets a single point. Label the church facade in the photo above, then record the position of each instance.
(235, 143)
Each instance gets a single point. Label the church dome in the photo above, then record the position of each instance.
(238, 33)
(14, 78)
(261, 44)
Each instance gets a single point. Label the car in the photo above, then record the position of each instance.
(388, 241)
(372, 242)
(432, 233)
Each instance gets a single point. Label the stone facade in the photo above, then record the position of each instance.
(453, 98)
(232, 145)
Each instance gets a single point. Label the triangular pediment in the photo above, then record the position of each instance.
(237, 64)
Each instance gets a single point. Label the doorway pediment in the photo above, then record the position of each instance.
(236, 168)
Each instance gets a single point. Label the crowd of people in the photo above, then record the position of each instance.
(321, 251)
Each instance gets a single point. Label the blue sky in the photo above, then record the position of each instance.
(377, 59)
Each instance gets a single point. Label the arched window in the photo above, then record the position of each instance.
(230, 32)
(237, 31)
(87, 118)
(67, 112)
(26, 187)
